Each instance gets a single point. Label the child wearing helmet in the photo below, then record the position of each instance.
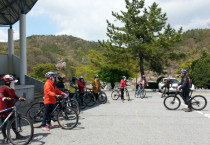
(167, 85)
(73, 86)
(60, 84)
(142, 84)
(7, 93)
(50, 95)
(96, 85)
(123, 84)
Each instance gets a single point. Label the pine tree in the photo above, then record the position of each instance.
(144, 37)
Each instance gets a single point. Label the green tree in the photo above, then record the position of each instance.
(201, 71)
(40, 70)
(112, 75)
(144, 37)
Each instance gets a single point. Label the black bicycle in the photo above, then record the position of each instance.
(117, 93)
(172, 102)
(19, 129)
(67, 117)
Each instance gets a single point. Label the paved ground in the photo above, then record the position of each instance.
(137, 122)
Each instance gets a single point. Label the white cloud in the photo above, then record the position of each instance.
(87, 18)
(82, 18)
(4, 34)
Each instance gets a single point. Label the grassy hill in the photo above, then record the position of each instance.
(49, 49)
(43, 49)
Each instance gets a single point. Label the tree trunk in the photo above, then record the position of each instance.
(141, 64)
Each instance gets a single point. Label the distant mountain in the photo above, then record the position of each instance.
(49, 49)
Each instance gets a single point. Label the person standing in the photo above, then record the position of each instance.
(122, 87)
(60, 84)
(7, 94)
(185, 89)
(166, 87)
(50, 95)
(141, 84)
(81, 86)
(96, 85)
(73, 86)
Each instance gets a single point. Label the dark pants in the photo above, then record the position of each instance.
(81, 97)
(186, 98)
(122, 94)
(47, 115)
(96, 96)
(71, 95)
(5, 125)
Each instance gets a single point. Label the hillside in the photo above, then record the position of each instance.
(49, 49)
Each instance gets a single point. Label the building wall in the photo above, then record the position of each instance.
(4, 64)
(16, 66)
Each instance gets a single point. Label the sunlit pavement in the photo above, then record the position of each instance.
(136, 122)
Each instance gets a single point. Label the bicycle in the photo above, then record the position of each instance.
(141, 94)
(18, 125)
(117, 93)
(72, 102)
(67, 117)
(197, 102)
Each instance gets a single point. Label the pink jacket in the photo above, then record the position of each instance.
(122, 84)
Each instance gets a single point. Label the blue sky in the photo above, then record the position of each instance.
(86, 19)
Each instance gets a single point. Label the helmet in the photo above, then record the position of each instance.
(50, 74)
(95, 76)
(74, 78)
(143, 76)
(81, 77)
(9, 78)
(168, 79)
(183, 71)
(60, 77)
(123, 77)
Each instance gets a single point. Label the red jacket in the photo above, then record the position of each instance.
(123, 84)
(81, 86)
(6, 92)
(50, 91)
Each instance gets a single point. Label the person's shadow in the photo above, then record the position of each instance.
(37, 138)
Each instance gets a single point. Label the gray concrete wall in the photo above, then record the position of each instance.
(4, 64)
(16, 66)
(26, 91)
(38, 85)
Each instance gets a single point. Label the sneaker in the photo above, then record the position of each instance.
(18, 136)
(188, 110)
(50, 125)
(46, 128)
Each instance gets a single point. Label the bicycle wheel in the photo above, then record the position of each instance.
(36, 113)
(115, 95)
(142, 93)
(67, 118)
(172, 102)
(74, 104)
(198, 102)
(127, 95)
(90, 99)
(102, 98)
(20, 130)
(81, 101)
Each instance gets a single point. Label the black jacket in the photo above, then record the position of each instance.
(184, 83)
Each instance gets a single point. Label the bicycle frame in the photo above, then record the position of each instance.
(14, 110)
